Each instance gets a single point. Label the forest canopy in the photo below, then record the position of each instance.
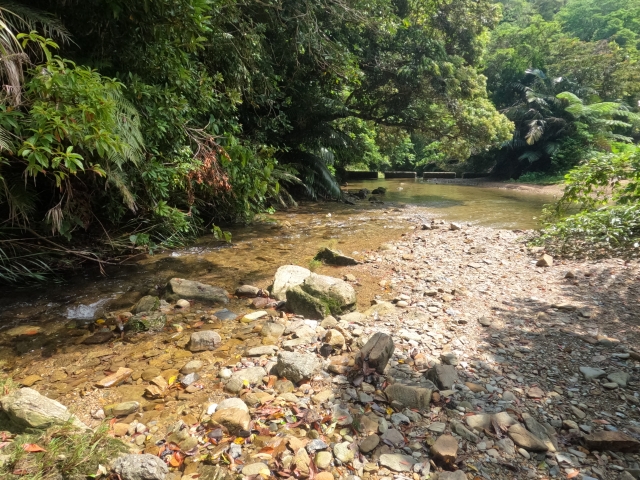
(128, 125)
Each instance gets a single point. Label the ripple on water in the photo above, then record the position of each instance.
(85, 312)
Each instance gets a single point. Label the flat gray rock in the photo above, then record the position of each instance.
(591, 373)
(393, 437)
(457, 475)
(444, 376)
(198, 291)
(204, 340)
(140, 467)
(397, 462)
(297, 366)
(621, 378)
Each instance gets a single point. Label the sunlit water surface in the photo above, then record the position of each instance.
(287, 237)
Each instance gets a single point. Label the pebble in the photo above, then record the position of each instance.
(343, 453)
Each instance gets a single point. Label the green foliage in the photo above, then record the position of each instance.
(543, 48)
(592, 20)
(540, 178)
(599, 213)
(68, 453)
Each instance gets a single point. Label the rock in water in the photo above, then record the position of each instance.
(140, 467)
(122, 409)
(411, 397)
(377, 352)
(286, 278)
(297, 366)
(445, 450)
(99, 337)
(457, 475)
(198, 291)
(248, 291)
(147, 304)
(255, 469)
(205, 340)
(333, 257)
(27, 408)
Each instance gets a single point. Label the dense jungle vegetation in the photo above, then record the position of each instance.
(130, 125)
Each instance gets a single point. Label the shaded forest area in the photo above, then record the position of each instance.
(126, 126)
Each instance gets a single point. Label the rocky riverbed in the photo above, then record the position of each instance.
(478, 359)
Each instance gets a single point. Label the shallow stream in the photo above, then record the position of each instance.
(288, 237)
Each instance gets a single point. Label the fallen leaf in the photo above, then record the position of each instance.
(573, 474)
(32, 448)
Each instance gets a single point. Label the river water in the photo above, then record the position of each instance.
(287, 237)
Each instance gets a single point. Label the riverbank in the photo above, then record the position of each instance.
(551, 346)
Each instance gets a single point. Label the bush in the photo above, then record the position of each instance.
(599, 212)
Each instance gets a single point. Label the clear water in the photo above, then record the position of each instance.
(288, 237)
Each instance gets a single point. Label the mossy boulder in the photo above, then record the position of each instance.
(321, 295)
(144, 322)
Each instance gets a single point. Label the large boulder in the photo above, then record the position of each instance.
(28, 409)
(301, 303)
(286, 278)
(198, 291)
(140, 467)
(321, 295)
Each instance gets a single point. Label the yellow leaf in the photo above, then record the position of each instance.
(172, 380)
(100, 321)
(239, 441)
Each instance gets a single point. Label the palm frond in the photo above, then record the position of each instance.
(531, 155)
(118, 180)
(25, 19)
(536, 130)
